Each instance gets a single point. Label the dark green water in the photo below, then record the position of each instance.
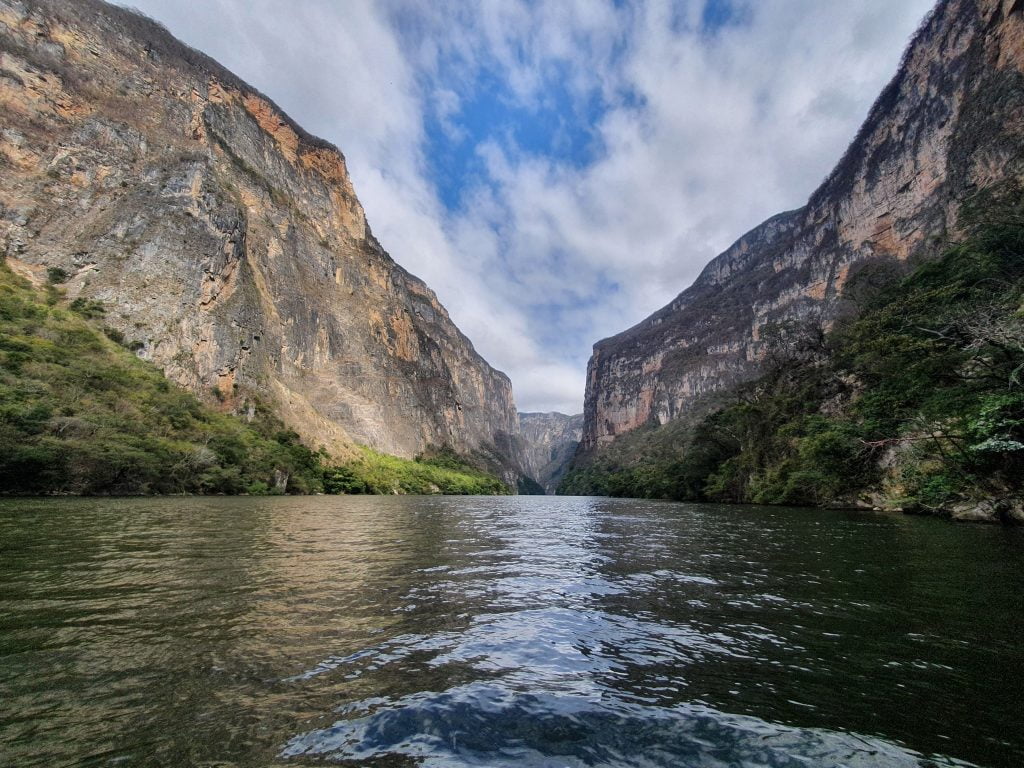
(504, 632)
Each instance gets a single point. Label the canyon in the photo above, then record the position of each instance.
(226, 244)
(550, 441)
(950, 123)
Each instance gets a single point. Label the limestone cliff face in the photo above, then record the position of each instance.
(551, 440)
(949, 123)
(223, 239)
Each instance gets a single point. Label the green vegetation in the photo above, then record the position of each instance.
(916, 401)
(440, 471)
(81, 414)
(56, 275)
(527, 486)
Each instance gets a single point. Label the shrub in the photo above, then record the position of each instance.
(56, 275)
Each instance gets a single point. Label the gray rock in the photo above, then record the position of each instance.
(950, 122)
(550, 444)
(226, 239)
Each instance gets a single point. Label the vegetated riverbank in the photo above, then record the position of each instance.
(913, 402)
(81, 414)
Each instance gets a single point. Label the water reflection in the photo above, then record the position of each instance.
(527, 631)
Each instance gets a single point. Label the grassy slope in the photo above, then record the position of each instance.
(438, 472)
(79, 413)
(917, 402)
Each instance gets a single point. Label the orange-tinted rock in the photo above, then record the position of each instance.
(224, 239)
(949, 123)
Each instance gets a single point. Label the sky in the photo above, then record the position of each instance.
(557, 170)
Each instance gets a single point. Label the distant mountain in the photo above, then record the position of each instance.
(550, 443)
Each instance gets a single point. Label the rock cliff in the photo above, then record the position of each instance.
(949, 123)
(551, 440)
(226, 243)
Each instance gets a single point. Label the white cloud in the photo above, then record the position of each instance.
(703, 135)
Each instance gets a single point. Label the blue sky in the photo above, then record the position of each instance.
(557, 170)
(559, 125)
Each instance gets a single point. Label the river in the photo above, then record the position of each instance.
(517, 631)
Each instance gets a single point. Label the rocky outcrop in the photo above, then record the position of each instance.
(550, 441)
(226, 243)
(950, 122)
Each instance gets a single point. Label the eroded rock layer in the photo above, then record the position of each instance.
(951, 122)
(227, 244)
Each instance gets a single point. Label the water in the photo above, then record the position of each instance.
(504, 632)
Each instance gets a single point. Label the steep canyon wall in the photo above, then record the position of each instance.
(951, 122)
(226, 243)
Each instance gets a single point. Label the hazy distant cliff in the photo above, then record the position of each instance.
(226, 243)
(550, 441)
(950, 122)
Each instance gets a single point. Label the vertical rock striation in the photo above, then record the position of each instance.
(550, 441)
(226, 243)
(949, 123)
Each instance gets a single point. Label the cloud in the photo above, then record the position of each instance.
(557, 171)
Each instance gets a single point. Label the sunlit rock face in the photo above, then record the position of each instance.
(225, 242)
(550, 441)
(951, 122)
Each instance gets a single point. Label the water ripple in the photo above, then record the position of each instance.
(513, 632)
(486, 725)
